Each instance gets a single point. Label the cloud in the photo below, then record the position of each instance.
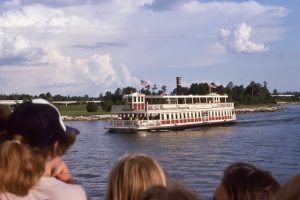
(39, 16)
(66, 75)
(88, 46)
(52, 3)
(17, 48)
(238, 40)
(101, 45)
(128, 6)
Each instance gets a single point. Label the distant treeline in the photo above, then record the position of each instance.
(253, 94)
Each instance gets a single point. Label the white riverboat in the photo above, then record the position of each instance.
(166, 112)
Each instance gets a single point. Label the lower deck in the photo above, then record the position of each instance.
(155, 127)
(167, 121)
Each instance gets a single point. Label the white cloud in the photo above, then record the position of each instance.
(127, 78)
(39, 16)
(94, 71)
(238, 40)
(128, 6)
(186, 35)
(17, 46)
(62, 74)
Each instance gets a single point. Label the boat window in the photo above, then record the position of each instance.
(180, 101)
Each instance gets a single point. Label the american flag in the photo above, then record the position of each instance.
(144, 83)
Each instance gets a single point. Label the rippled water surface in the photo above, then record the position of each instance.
(196, 157)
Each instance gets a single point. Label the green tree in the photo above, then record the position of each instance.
(91, 107)
(154, 88)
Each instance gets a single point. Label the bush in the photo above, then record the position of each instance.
(91, 107)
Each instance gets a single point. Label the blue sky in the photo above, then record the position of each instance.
(80, 47)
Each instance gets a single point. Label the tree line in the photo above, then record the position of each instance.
(253, 94)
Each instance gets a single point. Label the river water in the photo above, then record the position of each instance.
(195, 157)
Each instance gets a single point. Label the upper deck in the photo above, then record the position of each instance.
(137, 102)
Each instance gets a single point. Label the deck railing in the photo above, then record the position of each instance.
(157, 107)
(134, 123)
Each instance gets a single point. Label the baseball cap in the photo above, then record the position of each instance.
(39, 123)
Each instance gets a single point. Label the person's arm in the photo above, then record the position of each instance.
(61, 172)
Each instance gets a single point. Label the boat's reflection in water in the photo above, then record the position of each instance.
(195, 132)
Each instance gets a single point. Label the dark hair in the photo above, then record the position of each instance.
(244, 181)
(4, 115)
(41, 127)
(164, 193)
(291, 189)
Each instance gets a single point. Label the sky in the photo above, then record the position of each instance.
(79, 47)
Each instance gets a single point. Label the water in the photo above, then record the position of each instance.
(195, 157)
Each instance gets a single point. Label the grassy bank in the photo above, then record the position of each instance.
(78, 110)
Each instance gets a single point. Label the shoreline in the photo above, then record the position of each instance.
(258, 109)
(108, 116)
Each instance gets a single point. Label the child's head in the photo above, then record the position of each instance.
(291, 189)
(132, 175)
(244, 181)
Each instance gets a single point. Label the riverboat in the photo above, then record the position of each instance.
(166, 112)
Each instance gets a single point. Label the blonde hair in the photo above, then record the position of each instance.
(132, 175)
(20, 167)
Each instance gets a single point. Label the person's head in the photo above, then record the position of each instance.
(35, 134)
(4, 115)
(244, 181)
(290, 190)
(164, 193)
(39, 124)
(20, 167)
(132, 175)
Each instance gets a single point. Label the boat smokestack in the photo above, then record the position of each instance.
(178, 85)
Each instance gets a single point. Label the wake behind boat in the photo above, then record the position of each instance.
(167, 112)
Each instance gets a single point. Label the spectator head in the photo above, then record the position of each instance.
(291, 189)
(35, 134)
(40, 126)
(4, 115)
(132, 175)
(20, 167)
(244, 181)
(163, 193)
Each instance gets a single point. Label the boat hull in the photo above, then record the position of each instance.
(169, 127)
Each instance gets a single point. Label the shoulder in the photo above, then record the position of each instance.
(56, 189)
